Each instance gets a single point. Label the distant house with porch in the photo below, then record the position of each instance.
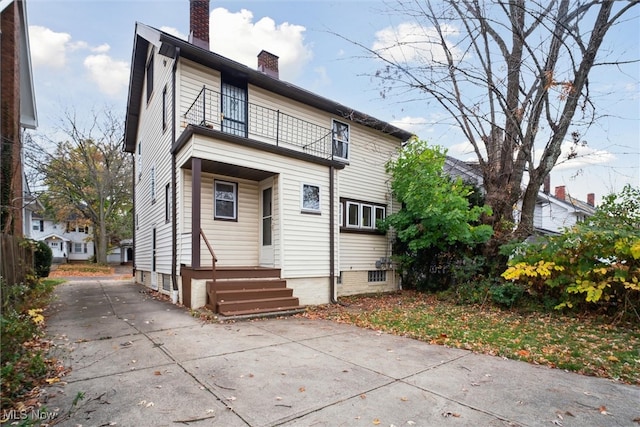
(273, 189)
(67, 240)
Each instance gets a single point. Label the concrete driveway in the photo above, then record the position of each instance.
(140, 361)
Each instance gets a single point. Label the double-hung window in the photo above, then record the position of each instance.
(226, 200)
(340, 140)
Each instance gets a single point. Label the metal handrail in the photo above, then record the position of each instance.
(214, 259)
(259, 121)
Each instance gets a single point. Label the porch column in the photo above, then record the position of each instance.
(196, 202)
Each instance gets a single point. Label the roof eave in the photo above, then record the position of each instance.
(161, 39)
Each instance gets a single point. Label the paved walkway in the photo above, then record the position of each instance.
(140, 361)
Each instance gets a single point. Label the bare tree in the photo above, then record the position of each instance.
(513, 76)
(87, 176)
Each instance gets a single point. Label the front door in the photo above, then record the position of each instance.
(154, 276)
(266, 226)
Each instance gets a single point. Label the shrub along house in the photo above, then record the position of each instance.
(251, 194)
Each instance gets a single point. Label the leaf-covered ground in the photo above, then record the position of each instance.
(585, 344)
(81, 270)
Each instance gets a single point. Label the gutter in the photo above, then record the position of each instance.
(174, 209)
(332, 233)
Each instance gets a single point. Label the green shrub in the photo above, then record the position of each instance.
(43, 256)
(506, 294)
(594, 265)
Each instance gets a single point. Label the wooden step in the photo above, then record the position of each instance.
(253, 294)
(284, 303)
(263, 312)
(247, 273)
(223, 285)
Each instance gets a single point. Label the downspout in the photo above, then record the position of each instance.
(133, 223)
(332, 232)
(174, 209)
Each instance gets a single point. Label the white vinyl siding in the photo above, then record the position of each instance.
(154, 148)
(304, 248)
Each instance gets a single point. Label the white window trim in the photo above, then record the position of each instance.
(375, 216)
(347, 141)
(372, 220)
(349, 225)
(374, 209)
(235, 200)
(306, 209)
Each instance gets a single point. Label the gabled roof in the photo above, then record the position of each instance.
(28, 113)
(172, 46)
(54, 237)
(570, 203)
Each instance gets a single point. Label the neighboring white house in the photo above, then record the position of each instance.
(279, 181)
(552, 214)
(67, 241)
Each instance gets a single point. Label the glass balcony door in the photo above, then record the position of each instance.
(234, 110)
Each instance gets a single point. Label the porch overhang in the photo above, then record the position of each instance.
(221, 168)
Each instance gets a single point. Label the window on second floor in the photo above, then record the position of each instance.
(150, 77)
(340, 140)
(139, 160)
(38, 225)
(164, 108)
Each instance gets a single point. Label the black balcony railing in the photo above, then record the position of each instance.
(239, 117)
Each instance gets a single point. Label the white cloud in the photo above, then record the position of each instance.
(585, 156)
(415, 125)
(48, 48)
(322, 77)
(410, 42)
(236, 36)
(111, 76)
(174, 32)
(103, 48)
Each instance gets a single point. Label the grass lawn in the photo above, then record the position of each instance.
(584, 344)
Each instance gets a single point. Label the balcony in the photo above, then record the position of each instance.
(233, 114)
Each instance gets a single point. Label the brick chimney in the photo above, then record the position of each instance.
(268, 64)
(591, 199)
(560, 192)
(199, 23)
(546, 186)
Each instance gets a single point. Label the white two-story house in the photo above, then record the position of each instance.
(251, 194)
(69, 241)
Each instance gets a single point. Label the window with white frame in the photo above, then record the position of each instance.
(340, 140)
(139, 160)
(77, 248)
(164, 108)
(167, 202)
(310, 198)
(150, 77)
(226, 200)
(360, 216)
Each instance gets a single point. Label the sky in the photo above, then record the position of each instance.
(81, 52)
